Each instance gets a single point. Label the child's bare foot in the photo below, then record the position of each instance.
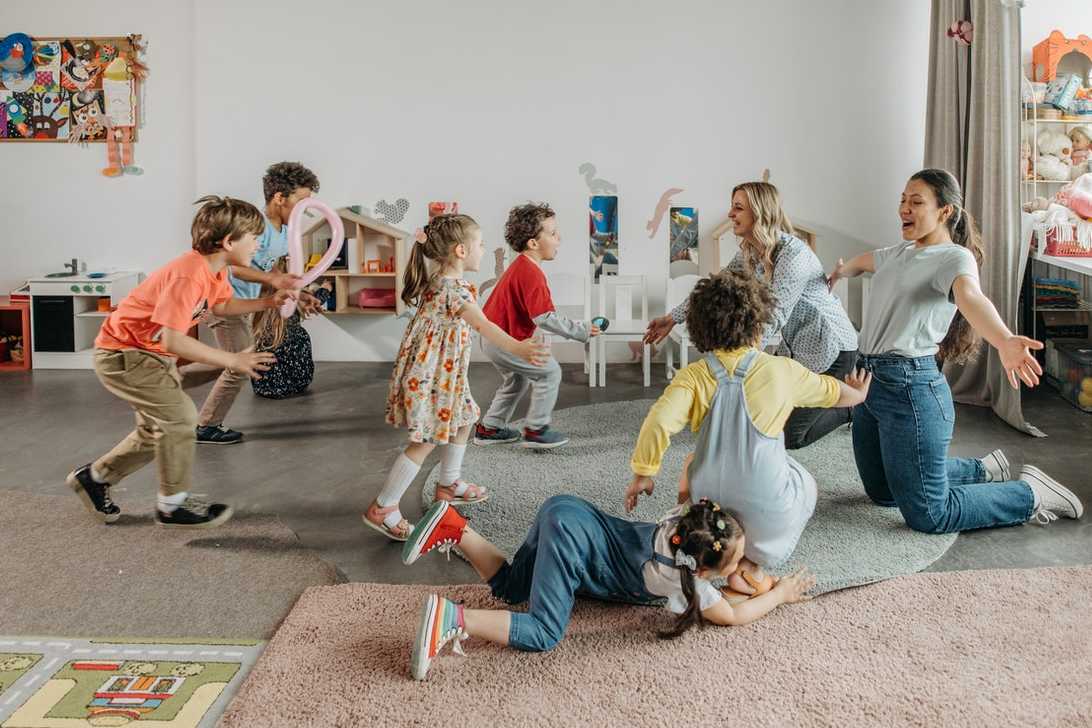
(387, 521)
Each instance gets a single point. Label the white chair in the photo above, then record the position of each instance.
(566, 290)
(615, 297)
(678, 290)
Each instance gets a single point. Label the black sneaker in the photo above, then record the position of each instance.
(217, 435)
(494, 435)
(544, 439)
(194, 513)
(95, 495)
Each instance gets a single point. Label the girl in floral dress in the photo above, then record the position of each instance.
(430, 390)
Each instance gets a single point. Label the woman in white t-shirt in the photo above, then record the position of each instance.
(926, 303)
(575, 548)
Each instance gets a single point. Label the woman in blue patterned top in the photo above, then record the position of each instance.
(814, 327)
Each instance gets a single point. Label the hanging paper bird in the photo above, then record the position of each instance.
(962, 31)
(17, 53)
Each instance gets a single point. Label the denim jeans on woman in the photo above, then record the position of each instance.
(900, 442)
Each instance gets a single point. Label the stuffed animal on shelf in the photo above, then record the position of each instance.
(1081, 136)
(1025, 160)
(1054, 162)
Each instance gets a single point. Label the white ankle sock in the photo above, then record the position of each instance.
(97, 476)
(170, 503)
(399, 478)
(451, 463)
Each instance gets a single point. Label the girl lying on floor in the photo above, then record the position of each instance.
(575, 548)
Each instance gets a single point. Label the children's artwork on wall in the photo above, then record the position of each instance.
(62, 97)
(19, 107)
(683, 249)
(596, 186)
(4, 95)
(603, 235)
(653, 225)
(392, 213)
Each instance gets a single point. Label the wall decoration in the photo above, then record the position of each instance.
(683, 248)
(498, 271)
(63, 96)
(603, 235)
(653, 225)
(392, 213)
(434, 209)
(596, 186)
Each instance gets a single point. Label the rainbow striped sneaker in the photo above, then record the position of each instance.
(441, 622)
(440, 528)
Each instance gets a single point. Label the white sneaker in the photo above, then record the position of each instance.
(997, 467)
(1054, 499)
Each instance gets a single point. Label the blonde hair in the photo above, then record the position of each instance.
(223, 217)
(442, 234)
(1083, 131)
(268, 325)
(770, 222)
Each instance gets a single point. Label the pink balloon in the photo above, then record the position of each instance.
(296, 261)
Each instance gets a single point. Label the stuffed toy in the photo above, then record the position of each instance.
(1054, 162)
(1025, 160)
(1081, 137)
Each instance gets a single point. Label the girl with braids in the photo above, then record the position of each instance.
(575, 548)
(926, 303)
(429, 391)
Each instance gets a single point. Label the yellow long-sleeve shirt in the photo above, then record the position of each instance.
(772, 388)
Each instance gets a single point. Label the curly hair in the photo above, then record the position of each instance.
(223, 217)
(286, 178)
(729, 310)
(524, 223)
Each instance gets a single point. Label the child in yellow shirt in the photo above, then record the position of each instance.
(739, 399)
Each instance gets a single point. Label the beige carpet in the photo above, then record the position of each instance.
(61, 573)
(951, 649)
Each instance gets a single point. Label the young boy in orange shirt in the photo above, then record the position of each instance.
(136, 360)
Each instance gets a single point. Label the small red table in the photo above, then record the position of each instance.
(15, 319)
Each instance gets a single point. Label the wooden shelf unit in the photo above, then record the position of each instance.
(368, 239)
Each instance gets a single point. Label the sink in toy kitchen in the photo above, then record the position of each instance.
(66, 274)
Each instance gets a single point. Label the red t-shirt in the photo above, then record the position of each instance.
(173, 297)
(520, 296)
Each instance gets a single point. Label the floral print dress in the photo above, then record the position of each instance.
(430, 390)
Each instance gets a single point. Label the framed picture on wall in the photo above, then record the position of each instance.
(603, 235)
(682, 257)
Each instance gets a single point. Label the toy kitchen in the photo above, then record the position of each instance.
(67, 309)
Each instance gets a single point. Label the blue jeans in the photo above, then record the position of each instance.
(900, 442)
(573, 548)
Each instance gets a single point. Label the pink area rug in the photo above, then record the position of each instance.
(974, 648)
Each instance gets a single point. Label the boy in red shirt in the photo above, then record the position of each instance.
(519, 303)
(136, 360)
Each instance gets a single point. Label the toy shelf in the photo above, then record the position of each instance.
(15, 319)
(370, 244)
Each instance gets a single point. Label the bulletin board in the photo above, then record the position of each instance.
(62, 99)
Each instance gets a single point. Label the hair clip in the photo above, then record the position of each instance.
(676, 539)
(716, 507)
(721, 525)
(684, 559)
(717, 545)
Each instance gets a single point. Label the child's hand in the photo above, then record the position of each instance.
(794, 587)
(250, 362)
(658, 328)
(309, 305)
(593, 331)
(285, 280)
(684, 480)
(859, 381)
(838, 272)
(533, 350)
(639, 484)
(283, 295)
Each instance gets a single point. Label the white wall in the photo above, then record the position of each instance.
(492, 104)
(56, 205)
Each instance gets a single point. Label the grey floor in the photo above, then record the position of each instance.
(316, 460)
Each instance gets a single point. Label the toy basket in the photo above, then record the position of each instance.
(1069, 249)
(1069, 365)
(376, 298)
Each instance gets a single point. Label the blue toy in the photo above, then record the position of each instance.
(602, 322)
(17, 53)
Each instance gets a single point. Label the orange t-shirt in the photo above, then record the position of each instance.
(174, 297)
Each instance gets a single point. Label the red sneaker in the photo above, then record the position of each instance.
(440, 528)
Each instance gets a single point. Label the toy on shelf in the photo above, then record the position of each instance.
(1054, 161)
(1081, 136)
(1046, 55)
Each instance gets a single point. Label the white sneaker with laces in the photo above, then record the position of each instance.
(997, 467)
(1053, 500)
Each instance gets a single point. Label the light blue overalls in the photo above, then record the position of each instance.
(748, 472)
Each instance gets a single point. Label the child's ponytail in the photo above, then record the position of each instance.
(441, 235)
(704, 537)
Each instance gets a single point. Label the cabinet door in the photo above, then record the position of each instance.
(53, 324)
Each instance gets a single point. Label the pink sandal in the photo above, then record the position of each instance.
(471, 493)
(400, 532)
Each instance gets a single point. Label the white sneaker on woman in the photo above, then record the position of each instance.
(1052, 499)
(997, 467)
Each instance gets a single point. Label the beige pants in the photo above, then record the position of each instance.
(165, 418)
(233, 335)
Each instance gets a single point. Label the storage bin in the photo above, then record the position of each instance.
(376, 298)
(1069, 364)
